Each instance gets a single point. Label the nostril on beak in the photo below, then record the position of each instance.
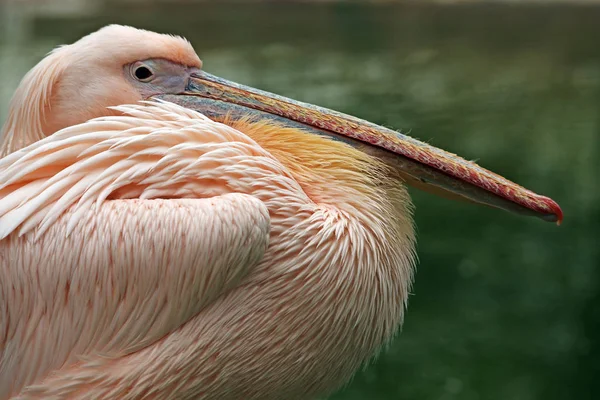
(194, 72)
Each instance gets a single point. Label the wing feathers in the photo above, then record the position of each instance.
(131, 272)
(95, 273)
(157, 150)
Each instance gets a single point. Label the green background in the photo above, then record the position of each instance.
(503, 307)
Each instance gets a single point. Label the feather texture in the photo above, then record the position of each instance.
(324, 297)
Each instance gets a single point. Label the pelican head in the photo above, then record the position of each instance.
(123, 65)
(74, 83)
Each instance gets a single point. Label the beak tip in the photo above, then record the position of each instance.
(559, 217)
(555, 210)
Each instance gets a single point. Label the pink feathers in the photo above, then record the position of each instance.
(156, 151)
(147, 252)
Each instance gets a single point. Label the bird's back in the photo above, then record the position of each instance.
(174, 293)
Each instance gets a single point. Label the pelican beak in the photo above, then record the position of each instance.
(419, 164)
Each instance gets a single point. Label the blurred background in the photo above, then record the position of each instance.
(503, 307)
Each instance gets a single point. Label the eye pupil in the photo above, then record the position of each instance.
(142, 73)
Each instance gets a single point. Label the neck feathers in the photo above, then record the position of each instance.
(30, 105)
(329, 172)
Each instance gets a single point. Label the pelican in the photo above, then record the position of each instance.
(168, 234)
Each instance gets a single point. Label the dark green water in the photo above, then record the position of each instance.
(503, 307)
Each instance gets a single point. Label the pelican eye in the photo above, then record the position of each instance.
(143, 74)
